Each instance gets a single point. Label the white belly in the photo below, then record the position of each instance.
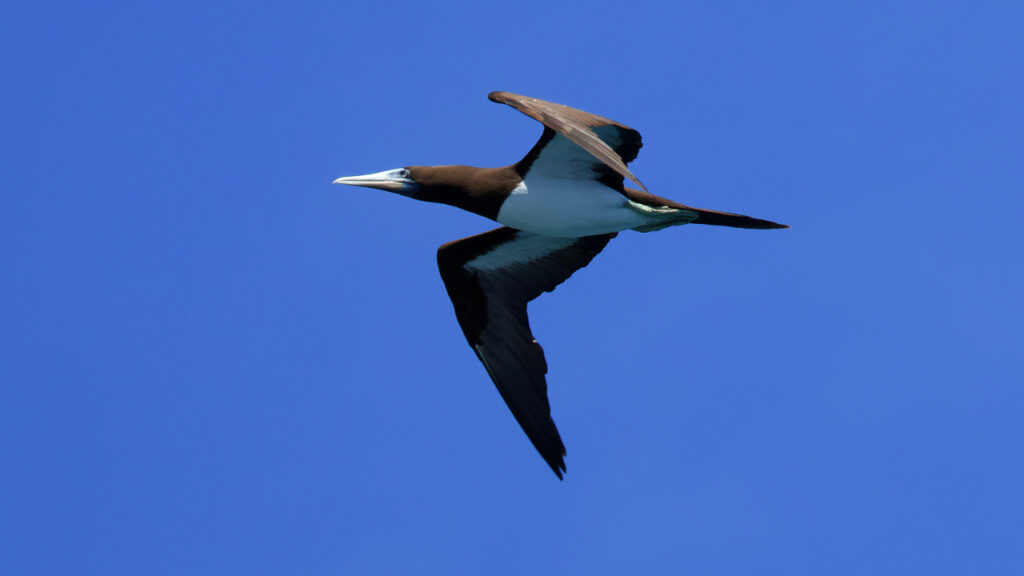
(568, 207)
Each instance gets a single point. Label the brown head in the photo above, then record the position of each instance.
(478, 190)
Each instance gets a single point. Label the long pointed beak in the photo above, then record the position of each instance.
(390, 180)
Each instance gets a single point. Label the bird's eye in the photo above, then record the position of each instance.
(403, 173)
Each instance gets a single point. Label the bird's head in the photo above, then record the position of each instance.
(478, 190)
(400, 181)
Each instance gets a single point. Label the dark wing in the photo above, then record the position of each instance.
(576, 138)
(490, 278)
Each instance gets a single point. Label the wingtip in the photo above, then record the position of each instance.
(554, 459)
(558, 468)
(557, 463)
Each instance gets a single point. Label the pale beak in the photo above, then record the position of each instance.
(391, 180)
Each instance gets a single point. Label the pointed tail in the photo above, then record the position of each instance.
(734, 220)
(712, 217)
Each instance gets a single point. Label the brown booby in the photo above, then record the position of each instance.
(559, 206)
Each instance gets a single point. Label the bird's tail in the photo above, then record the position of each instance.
(672, 213)
(716, 218)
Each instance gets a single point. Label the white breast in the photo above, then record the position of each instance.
(568, 207)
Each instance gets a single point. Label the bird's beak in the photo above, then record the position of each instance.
(391, 180)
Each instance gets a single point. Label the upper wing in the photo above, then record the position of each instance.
(490, 279)
(574, 139)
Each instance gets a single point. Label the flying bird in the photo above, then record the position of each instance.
(558, 206)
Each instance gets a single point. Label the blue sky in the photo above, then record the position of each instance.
(216, 362)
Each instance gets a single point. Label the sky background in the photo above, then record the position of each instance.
(216, 362)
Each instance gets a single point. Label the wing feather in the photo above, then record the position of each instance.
(490, 278)
(613, 144)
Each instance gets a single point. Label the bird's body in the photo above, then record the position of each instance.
(560, 205)
(567, 208)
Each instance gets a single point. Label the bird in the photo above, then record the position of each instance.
(558, 207)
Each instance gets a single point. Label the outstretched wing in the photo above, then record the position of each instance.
(576, 143)
(490, 279)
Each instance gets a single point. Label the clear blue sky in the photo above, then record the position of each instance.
(216, 362)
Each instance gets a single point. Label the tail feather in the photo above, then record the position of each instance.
(702, 216)
(734, 220)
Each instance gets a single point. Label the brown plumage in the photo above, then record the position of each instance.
(580, 158)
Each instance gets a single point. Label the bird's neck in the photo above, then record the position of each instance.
(478, 190)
